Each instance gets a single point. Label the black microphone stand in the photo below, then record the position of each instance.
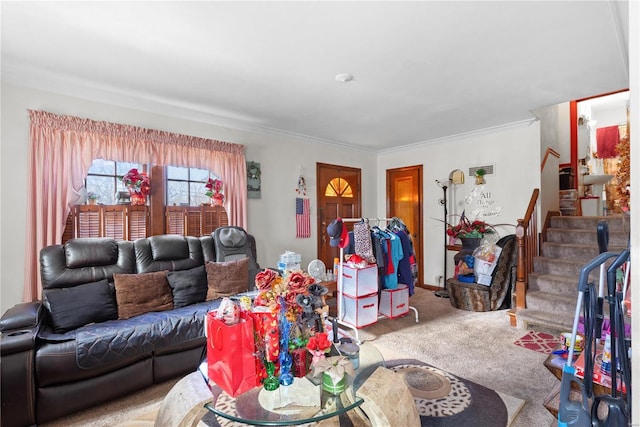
(444, 293)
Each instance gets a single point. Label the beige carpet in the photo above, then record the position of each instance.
(475, 346)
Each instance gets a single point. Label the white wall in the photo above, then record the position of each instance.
(270, 219)
(514, 152)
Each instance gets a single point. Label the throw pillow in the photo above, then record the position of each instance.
(141, 293)
(80, 305)
(188, 286)
(225, 279)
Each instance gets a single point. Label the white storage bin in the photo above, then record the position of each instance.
(360, 312)
(289, 261)
(394, 302)
(358, 282)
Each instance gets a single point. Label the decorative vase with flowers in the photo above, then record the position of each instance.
(214, 191)
(139, 186)
(470, 234)
(293, 299)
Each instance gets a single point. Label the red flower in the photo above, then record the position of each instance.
(137, 182)
(213, 186)
(265, 278)
(466, 228)
(320, 341)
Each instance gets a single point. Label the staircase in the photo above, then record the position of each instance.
(553, 285)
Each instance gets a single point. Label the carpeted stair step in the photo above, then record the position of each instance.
(614, 222)
(544, 321)
(580, 252)
(552, 283)
(585, 237)
(561, 267)
(551, 302)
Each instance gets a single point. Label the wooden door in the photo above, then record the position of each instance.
(338, 195)
(404, 200)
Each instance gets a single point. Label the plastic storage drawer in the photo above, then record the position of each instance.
(359, 282)
(360, 312)
(394, 302)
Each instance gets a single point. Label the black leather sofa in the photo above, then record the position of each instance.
(51, 367)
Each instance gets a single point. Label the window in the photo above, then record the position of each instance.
(186, 186)
(105, 179)
(338, 187)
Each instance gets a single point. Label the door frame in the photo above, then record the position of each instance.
(419, 248)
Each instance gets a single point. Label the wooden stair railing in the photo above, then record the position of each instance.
(528, 247)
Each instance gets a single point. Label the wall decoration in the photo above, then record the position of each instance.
(253, 180)
(301, 188)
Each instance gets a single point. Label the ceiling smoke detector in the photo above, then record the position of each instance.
(344, 78)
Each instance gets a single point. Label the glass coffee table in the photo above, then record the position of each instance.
(248, 408)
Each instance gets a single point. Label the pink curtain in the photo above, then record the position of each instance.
(62, 149)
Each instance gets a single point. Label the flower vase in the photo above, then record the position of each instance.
(271, 382)
(330, 385)
(286, 378)
(138, 199)
(217, 199)
(469, 244)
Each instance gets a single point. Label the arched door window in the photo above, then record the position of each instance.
(338, 187)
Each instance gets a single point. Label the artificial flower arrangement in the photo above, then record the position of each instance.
(214, 190)
(318, 345)
(296, 305)
(469, 229)
(137, 182)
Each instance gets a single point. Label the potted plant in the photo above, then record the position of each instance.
(214, 190)
(138, 184)
(92, 198)
(480, 173)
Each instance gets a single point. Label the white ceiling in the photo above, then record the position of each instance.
(422, 70)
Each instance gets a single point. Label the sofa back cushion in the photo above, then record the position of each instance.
(225, 279)
(188, 286)
(75, 306)
(141, 293)
(85, 260)
(167, 252)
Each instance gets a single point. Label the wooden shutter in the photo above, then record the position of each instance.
(138, 222)
(120, 222)
(175, 220)
(115, 220)
(194, 221)
(212, 218)
(88, 221)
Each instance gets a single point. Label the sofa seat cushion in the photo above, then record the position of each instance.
(56, 363)
(114, 341)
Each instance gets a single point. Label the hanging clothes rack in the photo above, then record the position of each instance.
(341, 278)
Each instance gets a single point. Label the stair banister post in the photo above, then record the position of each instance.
(521, 269)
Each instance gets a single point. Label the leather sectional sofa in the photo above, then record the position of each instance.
(116, 317)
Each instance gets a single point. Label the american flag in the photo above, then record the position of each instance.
(303, 218)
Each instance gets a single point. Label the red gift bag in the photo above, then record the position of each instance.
(231, 354)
